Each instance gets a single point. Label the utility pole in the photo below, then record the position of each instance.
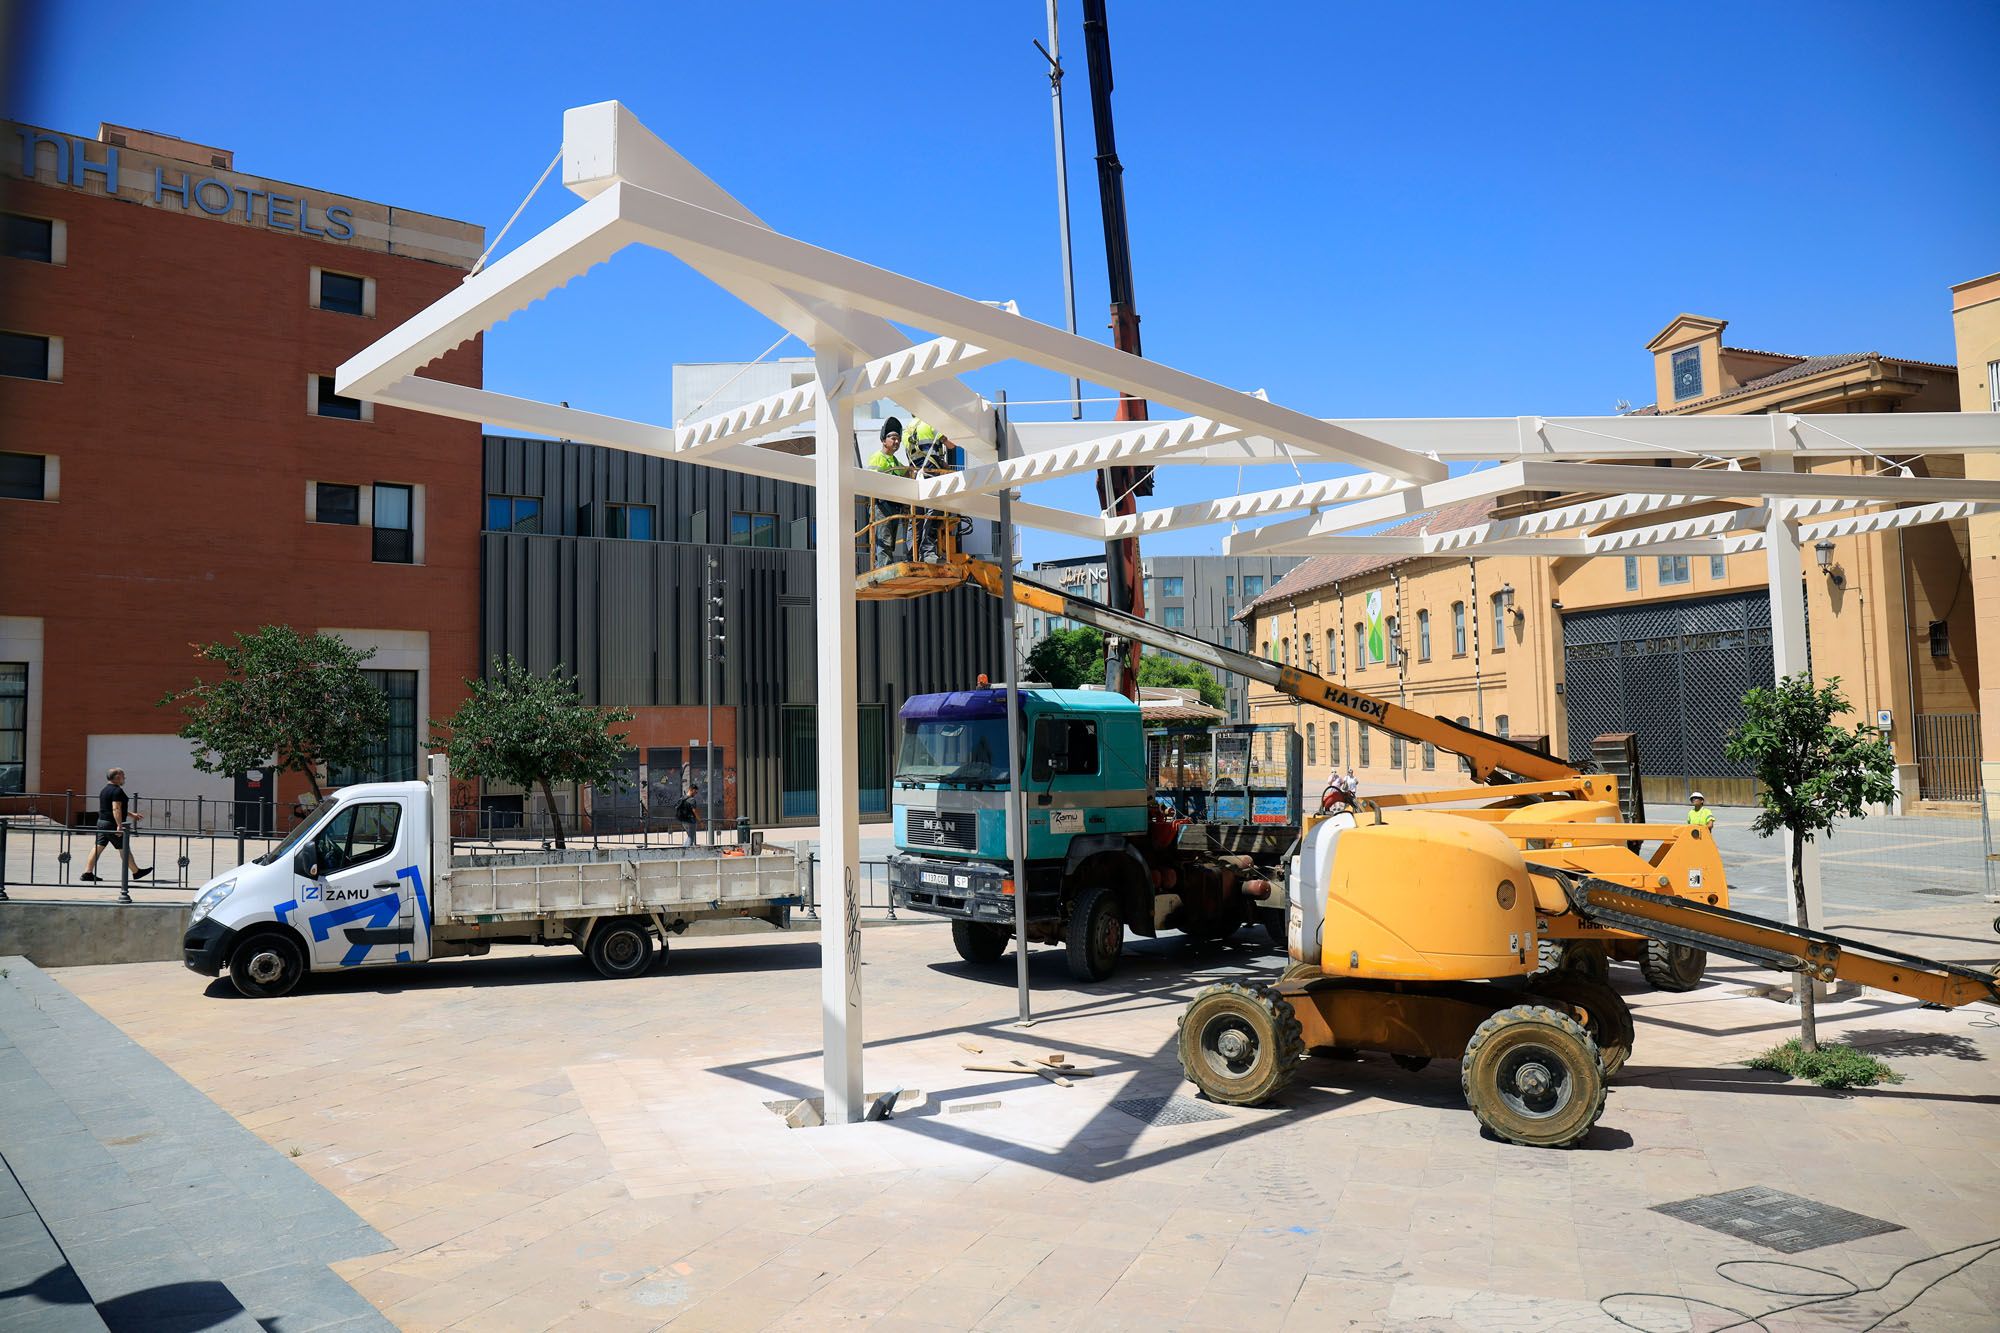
(715, 604)
(1118, 488)
(1051, 53)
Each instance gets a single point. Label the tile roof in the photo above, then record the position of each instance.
(1810, 366)
(1323, 571)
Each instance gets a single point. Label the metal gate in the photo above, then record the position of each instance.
(1674, 673)
(1948, 756)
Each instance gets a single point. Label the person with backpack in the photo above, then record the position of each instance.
(687, 811)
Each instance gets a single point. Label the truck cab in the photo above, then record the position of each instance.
(1100, 855)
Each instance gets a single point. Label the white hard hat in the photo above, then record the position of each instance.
(1696, 796)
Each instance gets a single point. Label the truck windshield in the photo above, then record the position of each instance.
(954, 750)
(296, 836)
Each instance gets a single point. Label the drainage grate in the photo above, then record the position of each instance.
(1776, 1220)
(1950, 893)
(1167, 1110)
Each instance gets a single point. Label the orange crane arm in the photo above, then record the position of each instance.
(1492, 758)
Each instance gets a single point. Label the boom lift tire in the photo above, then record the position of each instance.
(978, 942)
(1095, 936)
(1672, 967)
(1606, 1016)
(267, 964)
(1240, 1046)
(1585, 956)
(620, 947)
(1534, 1077)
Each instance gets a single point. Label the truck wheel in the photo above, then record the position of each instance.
(267, 964)
(978, 942)
(1606, 1016)
(1240, 1046)
(1095, 936)
(620, 949)
(1672, 967)
(1585, 956)
(1533, 1076)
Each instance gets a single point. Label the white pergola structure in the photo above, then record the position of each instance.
(637, 191)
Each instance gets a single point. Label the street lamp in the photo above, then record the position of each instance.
(1823, 553)
(1506, 598)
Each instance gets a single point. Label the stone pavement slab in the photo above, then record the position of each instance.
(131, 1201)
(544, 1149)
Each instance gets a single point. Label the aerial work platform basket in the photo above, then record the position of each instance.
(929, 536)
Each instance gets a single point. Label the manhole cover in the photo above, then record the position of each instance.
(1948, 893)
(1776, 1220)
(1167, 1110)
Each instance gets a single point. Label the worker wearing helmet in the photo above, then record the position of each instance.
(930, 455)
(1699, 814)
(888, 515)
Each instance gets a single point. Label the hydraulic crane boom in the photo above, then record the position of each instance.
(1491, 757)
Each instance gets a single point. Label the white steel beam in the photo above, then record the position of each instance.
(1856, 525)
(1251, 504)
(1145, 442)
(1306, 533)
(1541, 475)
(715, 243)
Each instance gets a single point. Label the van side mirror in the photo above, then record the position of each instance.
(305, 861)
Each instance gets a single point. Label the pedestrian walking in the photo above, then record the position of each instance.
(687, 810)
(114, 818)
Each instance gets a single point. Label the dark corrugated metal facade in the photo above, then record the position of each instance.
(627, 618)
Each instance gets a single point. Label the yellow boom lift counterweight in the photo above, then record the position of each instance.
(1415, 932)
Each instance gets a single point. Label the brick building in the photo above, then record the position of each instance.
(175, 466)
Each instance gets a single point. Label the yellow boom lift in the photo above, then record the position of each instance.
(1415, 931)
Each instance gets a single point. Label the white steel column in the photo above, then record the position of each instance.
(839, 742)
(1789, 656)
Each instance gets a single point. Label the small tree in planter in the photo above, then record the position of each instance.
(1810, 771)
(532, 731)
(295, 701)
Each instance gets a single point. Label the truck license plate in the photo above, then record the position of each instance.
(937, 877)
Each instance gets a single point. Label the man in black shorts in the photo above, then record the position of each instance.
(114, 816)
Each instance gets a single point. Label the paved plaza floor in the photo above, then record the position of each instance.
(543, 1149)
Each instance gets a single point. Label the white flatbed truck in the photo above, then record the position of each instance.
(371, 880)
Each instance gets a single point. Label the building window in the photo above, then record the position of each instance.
(1393, 628)
(631, 522)
(327, 403)
(1228, 615)
(28, 238)
(25, 356)
(513, 513)
(395, 541)
(1267, 747)
(1228, 585)
(336, 504)
(1360, 645)
(1252, 584)
(1171, 587)
(1264, 650)
(1430, 756)
(1993, 386)
(1500, 726)
(1718, 567)
(1312, 747)
(1940, 639)
(13, 727)
(1333, 743)
(1397, 752)
(1364, 744)
(1458, 629)
(1423, 636)
(343, 293)
(1674, 569)
(1333, 652)
(1631, 573)
(391, 757)
(753, 529)
(1464, 764)
(1687, 374)
(1173, 617)
(1499, 625)
(24, 477)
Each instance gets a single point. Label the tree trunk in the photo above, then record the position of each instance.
(312, 777)
(555, 815)
(1808, 1031)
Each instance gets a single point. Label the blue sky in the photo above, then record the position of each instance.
(1366, 210)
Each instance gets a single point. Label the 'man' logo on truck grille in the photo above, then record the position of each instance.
(944, 828)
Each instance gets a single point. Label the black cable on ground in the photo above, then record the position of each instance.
(1986, 1248)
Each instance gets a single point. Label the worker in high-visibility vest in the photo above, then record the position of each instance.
(1699, 814)
(888, 515)
(930, 456)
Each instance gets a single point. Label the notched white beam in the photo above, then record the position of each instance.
(1141, 445)
(1251, 504)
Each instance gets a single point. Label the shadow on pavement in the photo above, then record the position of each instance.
(171, 1307)
(1889, 1042)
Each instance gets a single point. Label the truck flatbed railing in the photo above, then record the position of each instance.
(1774, 944)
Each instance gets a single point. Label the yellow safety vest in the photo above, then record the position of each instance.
(884, 461)
(1701, 818)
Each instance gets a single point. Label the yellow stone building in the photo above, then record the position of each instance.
(1975, 317)
(1665, 646)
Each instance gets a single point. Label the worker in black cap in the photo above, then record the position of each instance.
(889, 516)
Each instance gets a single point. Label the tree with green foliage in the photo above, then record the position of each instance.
(297, 702)
(1068, 658)
(532, 731)
(1810, 771)
(1178, 673)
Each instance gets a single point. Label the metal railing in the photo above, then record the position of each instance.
(871, 890)
(1948, 756)
(41, 854)
(167, 814)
